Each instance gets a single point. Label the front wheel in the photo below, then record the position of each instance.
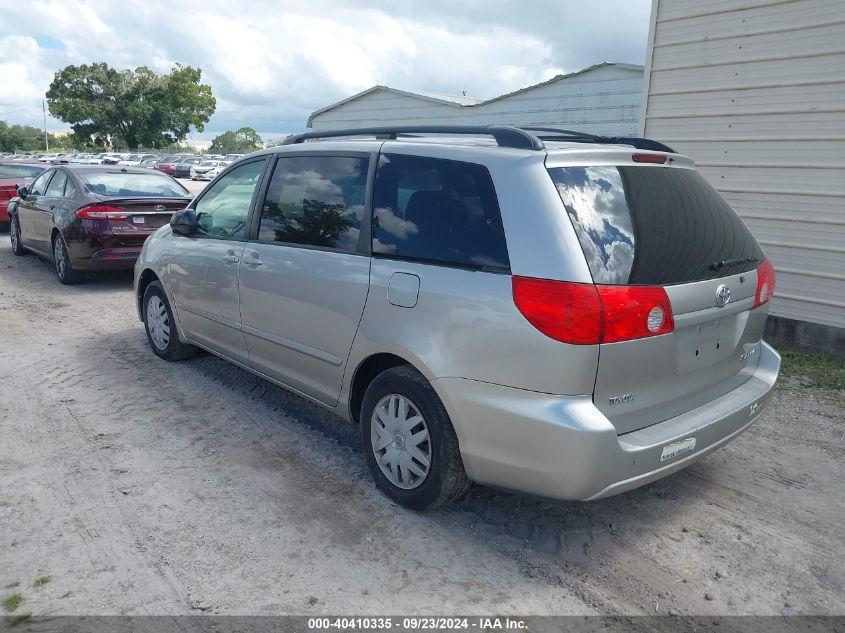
(409, 441)
(161, 327)
(15, 236)
(64, 268)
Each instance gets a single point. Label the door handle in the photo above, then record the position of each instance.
(230, 259)
(52, 207)
(253, 259)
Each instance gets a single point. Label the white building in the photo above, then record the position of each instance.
(602, 99)
(754, 91)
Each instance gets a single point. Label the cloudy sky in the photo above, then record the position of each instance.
(271, 63)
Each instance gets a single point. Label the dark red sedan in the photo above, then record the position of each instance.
(92, 217)
(12, 174)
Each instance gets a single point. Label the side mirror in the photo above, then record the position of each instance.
(184, 222)
(23, 192)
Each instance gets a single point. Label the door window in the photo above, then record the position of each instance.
(223, 209)
(315, 201)
(56, 188)
(40, 185)
(437, 210)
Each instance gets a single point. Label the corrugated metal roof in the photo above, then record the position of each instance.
(466, 101)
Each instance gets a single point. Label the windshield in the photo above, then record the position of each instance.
(653, 225)
(152, 184)
(20, 171)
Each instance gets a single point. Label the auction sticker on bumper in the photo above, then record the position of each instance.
(677, 448)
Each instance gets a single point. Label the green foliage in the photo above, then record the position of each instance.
(242, 141)
(130, 107)
(821, 371)
(21, 138)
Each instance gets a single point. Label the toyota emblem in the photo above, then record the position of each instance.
(723, 295)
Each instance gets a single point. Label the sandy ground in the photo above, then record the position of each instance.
(142, 487)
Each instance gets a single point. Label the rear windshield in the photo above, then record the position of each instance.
(120, 184)
(20, 171)
(653, 225)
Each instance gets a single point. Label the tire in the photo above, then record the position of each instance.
(160, 327)
(64, 268)
(15, 237)
(399, 470)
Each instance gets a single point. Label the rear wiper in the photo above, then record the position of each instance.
(717, 266)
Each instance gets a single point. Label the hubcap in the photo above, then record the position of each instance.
(59, 254)
(158, 325)
(400, 441)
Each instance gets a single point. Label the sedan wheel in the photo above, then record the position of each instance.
(158, 323)
(400, 441)
(64, 267)
(15, 236)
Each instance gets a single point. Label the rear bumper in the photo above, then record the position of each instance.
(119, 258)
(563, 447)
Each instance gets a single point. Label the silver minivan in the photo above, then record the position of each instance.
(538, 310)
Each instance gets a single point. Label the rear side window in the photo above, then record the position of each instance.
(437, 210)
(653, 225)
(315, 201)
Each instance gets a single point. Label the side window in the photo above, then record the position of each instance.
(315, 201)
(40, 185)
(437, 210)
(56, 188)
(70, 189)
(222, 211)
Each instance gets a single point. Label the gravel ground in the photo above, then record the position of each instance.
(132, 486)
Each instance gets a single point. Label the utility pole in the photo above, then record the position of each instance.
(44, 112)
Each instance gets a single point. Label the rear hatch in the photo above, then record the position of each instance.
(666, 228)
(133, 220)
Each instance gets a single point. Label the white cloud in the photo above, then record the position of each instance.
(270, 64)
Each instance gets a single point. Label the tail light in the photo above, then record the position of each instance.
(566, 312)
(632, 312)
(587, 314)
(101, 212)
(765, 283)
(657, 159)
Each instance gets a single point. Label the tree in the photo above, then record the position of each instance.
(23, 138)
(240, 141)
(139, 107)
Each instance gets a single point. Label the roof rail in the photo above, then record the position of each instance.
(584, 137)
(505, 136)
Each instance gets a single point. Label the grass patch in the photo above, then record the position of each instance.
(815, 371)
(10, 603)
(42, 580)
(12, 585)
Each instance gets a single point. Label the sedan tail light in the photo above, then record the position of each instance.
(101, 212)
(765, 283)
(587, 314)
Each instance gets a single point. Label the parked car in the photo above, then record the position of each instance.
(182, 169)
(88, 218)
(14, 173)
(231, 158)
(201, 170)
(166, 163)
(134, 160)
(212, 173)
(557, 313)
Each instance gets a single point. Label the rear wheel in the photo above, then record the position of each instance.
(15, 236)
(409, 442)
(160, 326)
(64, 268)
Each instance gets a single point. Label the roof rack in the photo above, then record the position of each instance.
(505, 136)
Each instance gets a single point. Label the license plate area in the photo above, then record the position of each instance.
(676, 449)
(709, 342)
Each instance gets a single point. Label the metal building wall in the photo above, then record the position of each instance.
(754, 91)
(605, 99)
